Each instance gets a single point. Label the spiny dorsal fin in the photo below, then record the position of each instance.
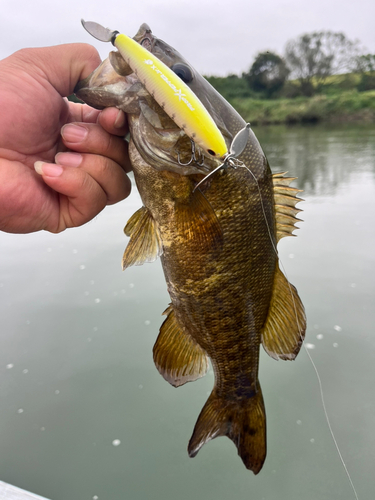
(285, 205)
(145, 243)
(284, 330)
(177, 357)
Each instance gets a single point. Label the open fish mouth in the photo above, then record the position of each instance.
(106, 87)
(156, 135)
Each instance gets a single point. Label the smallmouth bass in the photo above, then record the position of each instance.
(217, 245)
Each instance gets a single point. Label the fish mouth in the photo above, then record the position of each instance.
(104, 87)
(157, 137)
(159, 140)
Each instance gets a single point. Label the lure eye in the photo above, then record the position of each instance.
(183, 71)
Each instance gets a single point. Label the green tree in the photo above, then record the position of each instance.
(366, 66)
(313, 57)
(366, 62)
(267, 74)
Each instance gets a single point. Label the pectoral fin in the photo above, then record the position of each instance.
(284, 330)
(177, 357)
(196, 221)
(145, 243)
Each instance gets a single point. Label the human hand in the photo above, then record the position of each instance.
(81, 157)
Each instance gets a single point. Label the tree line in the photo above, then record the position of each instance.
(307, 65)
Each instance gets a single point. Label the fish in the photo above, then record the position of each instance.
(217, 245)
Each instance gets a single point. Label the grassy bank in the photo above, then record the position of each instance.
(347, 97)
(348, 106)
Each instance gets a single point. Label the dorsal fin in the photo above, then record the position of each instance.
(285, 205)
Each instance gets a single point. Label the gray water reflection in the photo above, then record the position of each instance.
(83, 411)
(321, 158)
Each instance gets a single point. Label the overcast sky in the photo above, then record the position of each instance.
(216, 36)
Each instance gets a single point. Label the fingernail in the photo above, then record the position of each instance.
(74, 133)
(48, 169)
(120, 119)
(69, 159)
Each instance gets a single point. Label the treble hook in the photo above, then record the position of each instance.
(193, 158)
(200, 163)
(236, 148)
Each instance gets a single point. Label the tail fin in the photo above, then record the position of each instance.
(242, 420)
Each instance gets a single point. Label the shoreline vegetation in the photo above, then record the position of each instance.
(348, 107)
(338, 101)
(323, 77)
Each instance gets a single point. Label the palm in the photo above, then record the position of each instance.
(37, 138)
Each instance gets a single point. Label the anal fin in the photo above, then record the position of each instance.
(284, 330)
(177, 357)
(145, 243)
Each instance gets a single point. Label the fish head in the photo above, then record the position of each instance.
(156, 136)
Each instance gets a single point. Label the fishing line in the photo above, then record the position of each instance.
(306, 350)
(329, 424)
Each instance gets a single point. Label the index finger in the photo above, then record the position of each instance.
(82, 113)
(114, 121)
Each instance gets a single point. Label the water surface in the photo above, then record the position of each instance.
(85, 415)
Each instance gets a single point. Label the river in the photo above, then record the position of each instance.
(84, 414)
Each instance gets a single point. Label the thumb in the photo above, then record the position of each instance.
(63, 66)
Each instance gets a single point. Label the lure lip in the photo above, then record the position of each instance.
(99, 32)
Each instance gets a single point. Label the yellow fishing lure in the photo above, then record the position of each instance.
(169, 91)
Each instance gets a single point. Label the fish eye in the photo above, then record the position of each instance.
(146, 43)
(183, 71)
